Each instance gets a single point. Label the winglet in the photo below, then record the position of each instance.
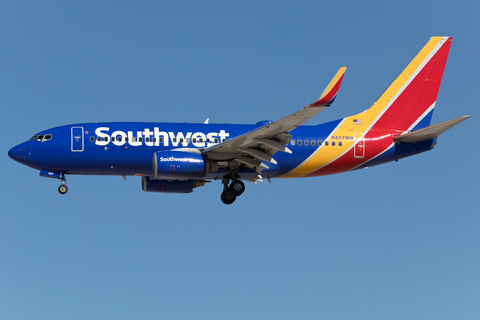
(330, 92)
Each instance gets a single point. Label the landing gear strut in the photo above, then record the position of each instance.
(63, 187)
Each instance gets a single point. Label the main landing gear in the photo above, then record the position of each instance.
(232, 191)
(63, 187)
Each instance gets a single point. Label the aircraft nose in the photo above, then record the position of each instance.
(17, 153)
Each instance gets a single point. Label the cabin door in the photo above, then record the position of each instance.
(77, 139)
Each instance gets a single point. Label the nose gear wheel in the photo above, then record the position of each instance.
(63, 187)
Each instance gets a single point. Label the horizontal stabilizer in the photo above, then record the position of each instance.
(430, 132)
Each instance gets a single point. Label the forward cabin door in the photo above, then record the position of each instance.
(77, 139)
(359, 149)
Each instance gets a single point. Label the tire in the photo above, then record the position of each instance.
(228, 197)
(236, 187)
(62, 189)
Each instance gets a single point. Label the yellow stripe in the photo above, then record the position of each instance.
(325, 155)
(390, 93)
(332, 83)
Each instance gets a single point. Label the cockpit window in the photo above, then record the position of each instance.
(41, 138)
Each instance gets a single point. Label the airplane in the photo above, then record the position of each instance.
(178, 157)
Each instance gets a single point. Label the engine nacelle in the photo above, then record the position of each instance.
(152, 184)
(178, 164)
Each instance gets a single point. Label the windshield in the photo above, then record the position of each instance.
(41, 138)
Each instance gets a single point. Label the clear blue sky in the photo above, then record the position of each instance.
(398, 241)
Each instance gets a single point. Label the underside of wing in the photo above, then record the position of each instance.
(252, 148)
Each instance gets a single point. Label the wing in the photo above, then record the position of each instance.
(258, 145)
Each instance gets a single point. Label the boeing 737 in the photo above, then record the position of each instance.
(178, 157)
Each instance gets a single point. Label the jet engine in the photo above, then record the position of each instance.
(179, 164)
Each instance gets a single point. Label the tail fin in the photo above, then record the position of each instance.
(408, 102)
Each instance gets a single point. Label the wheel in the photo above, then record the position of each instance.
(236, 187)
(63, 189)
(228, 197)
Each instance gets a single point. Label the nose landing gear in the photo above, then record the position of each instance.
(63, 187)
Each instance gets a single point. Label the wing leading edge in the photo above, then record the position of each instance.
(258, 145)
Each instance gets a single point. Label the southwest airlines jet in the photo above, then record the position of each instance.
(178, 157)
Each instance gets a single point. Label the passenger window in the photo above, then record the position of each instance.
(99, 138)
(154, 139)
(194, 140)
(326, 143)
(208, 140)
(333, 143)
(92, 138)
(312, 142)
(339, 143)
(187, 140)
(200, 140)
(174, 140)
(224, 140)
(160, 139)
(140, 139)
(216, 140)
(306, 142)
(134, 139)
(147, 139)
(292, 142)
(119, 139)
(126, 139)
(181, 140)
(319, 142)
(299, 142)
(113, 138)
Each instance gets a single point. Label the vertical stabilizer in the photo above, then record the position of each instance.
(409, 101)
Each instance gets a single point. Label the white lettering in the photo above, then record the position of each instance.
(157, 138)
(157, 135)
(104, 137)
(133, 141)
(223, 135)
(147, 133)
(173, 159)
(211, 138)
(115, 138)
(198, 139)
